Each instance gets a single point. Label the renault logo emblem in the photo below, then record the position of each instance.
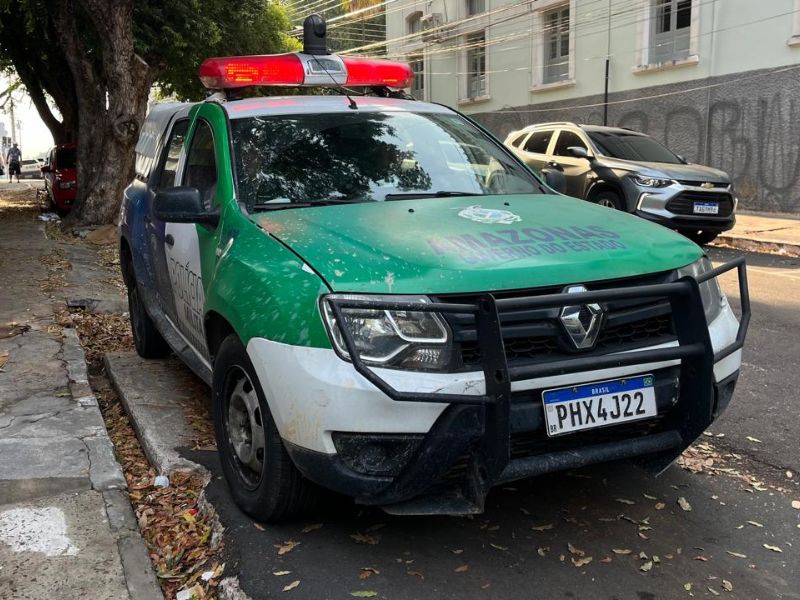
(582, 321)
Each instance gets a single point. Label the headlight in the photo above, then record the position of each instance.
(710, 293)
(655, 182)
(414, 340)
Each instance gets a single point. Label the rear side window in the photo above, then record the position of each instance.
(201, 163)
(565, 140)
(167, 178)
(538, 142)
(517, 140)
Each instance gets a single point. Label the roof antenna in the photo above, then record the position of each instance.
(315, 35)
(315, 43)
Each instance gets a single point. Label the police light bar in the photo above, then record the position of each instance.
(301, 69)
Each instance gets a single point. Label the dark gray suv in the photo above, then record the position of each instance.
(630, 171)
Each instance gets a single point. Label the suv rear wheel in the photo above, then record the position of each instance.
(261, 476)
(608, 199)
(701, 237)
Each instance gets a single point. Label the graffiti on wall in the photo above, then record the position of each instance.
(751, 131)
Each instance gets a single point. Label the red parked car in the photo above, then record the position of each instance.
(59, 174)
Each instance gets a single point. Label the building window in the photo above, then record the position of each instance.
(476, 7)
(671, 22)
(556, 45)
(418, 87)
(476, 65)
(414, 22)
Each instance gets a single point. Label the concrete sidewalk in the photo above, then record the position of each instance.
(67, 529)
(760, 232)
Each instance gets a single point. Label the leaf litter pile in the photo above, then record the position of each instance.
(178, 533)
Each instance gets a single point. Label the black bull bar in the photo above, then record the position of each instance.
(694, 350)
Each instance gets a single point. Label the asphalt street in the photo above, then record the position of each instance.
(739, 540)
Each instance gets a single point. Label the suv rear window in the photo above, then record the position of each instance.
(367, 157)
(538, 142)
(632, 146)
(66, 158)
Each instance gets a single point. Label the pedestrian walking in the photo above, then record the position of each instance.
(14, 161)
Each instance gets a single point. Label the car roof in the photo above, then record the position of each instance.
(286, 105)
(586, 128)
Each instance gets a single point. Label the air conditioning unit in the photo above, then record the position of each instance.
(431, 26)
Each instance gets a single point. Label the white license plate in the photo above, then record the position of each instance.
(599, 404)
(706, 208)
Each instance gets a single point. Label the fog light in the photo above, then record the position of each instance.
(376, 454)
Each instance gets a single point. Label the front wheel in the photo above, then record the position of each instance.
(262, 479)
(609, 200)
(701, 237)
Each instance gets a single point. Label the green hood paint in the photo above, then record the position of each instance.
(425, 247)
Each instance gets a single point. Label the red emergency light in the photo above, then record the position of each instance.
(301, 69)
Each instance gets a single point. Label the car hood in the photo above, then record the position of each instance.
(443, 245)
(690, 172)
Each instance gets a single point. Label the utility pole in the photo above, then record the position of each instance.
(13, 122)
(608, 64)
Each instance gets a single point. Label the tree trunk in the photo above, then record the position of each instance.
(112, 92)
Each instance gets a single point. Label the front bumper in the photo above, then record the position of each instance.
(450, 437)
(672, 206)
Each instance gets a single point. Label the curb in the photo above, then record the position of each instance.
(106, 477)
(160, 427)
(759, 246)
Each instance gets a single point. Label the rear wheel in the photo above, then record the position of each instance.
(701, 237)
(147, 339)
(261, 476)
(609, 200)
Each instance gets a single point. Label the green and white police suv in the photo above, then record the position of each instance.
(387, 303)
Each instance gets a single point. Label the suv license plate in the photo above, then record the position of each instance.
(599, 404)
(706, 208)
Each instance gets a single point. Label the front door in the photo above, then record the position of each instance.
(183, 241)
(576, 170)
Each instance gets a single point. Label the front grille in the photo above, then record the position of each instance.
(536, 335)
(717, 184)
(683, 203)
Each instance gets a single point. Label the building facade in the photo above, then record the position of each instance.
(717, 80)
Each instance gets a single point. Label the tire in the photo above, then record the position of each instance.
(701, 237)
(608, 199)
(261, 476)
(148, 341)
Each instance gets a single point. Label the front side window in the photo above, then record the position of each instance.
(336, 158)
(201, 164)
(631, 146)
(556, 45)
(167, 179)
(567, 139)
(476, 65)
(670, 28)
(538, 142)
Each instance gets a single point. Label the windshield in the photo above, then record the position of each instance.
(632, 146)
(368, 157)
(65, 158)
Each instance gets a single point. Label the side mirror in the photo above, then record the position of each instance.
(45, 168)
(579, 152)
(183, 205)
(555, 179)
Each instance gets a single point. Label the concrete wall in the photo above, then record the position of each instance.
(748, 124)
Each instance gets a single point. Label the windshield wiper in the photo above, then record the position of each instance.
(270, 206)
(439, 194)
